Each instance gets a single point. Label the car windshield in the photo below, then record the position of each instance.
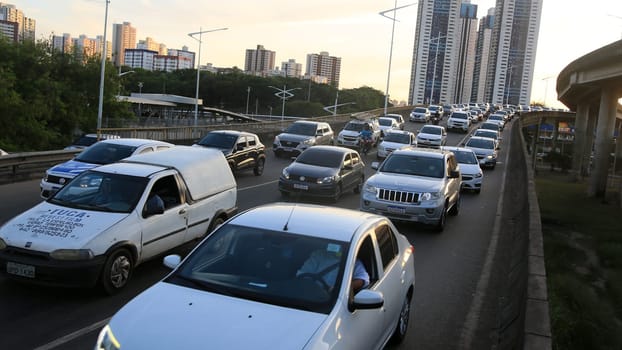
(385, 121)
(321, 157)
(398, 118)
(465, 157)
(420, 110)
(105, 153)
(98, 191)
(354, 126)
(490, 126)
(485, 133)
(430, 130)
(459, 116)
(495, 117)
(413, 165)
(397, 137)
(302, 129)
(266, 266)
(481, 143)
(218, 140)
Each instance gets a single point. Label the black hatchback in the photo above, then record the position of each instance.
(323, 171)
(243, 150)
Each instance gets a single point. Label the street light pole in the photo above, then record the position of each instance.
(248, 95)
(382, 13)
(509, 85)
(546, 88)
(438, 38)
(196, 101)
(284, 94)
(100, 106)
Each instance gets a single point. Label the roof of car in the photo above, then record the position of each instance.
(134, 142)
(428, 152)
(232, 132)
(307, 219)
(328, 148)
(456, 148)
(398, 131)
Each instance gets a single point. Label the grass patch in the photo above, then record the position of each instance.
(583, 256)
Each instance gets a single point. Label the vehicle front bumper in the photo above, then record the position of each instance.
(48, 271)
(470, 182)
(427, 212)
(48, 188)
(308, 188)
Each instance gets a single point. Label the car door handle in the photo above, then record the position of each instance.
(182, 211)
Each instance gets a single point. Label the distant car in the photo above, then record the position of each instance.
(490, 126)
(246, 286)
(485, 149)
(349, 135)
(99, 153)
(470, 170)
(493, 134)
(387, 123)
(431, 136)
(460, 120)
(497, 118)
(301, 135)
(395, 139)
(436, 108)
(448, 109)
(86, 140)
(243, 150)
(420, 114)
(398, 118)
(416, 185)
(323, 171)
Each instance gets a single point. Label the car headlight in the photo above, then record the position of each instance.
(427, 196)
(72, 254)
(326, 180)
(276, 140)
(106, 340)
(478, 175)
(308, 142)
(285, 173)
(369, 188)
(2, 244)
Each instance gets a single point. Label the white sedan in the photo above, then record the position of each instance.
(248, 286)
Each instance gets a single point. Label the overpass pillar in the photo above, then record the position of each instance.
(580, 141)
(589, 142)
(604, 138)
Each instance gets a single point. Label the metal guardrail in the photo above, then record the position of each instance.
(32, 165)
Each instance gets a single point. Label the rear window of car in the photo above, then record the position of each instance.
(459, 116)
(420, 110)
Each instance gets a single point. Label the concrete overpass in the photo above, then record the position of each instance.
(592, 85)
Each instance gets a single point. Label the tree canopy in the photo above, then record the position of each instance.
(47, 97)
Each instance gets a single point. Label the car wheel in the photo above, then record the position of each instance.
(117, 271)
(215, 223)
(478, 190)
(357, 188)
(455, 210)
(402, 322)
(440, 226)
(258, 170)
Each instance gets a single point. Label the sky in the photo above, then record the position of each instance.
(351, 29)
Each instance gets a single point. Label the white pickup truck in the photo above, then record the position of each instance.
(106, 221)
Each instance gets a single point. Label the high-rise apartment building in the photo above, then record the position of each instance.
(8, 30)
(466, 52)
(259, 61)
(150, 44)
(436, 52)
(452, 64)
(174, 60)
(291, 69)
(482, 56)
(123, 37)
(62, 43)
(25, 26)
(140, 58)
(513, 51)
(323, 65)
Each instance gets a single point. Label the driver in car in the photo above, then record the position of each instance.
(324, 263)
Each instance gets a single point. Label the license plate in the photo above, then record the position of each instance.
(396, 210)
(301, 187)
(20, 269)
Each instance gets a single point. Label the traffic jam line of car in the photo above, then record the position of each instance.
(407, 186)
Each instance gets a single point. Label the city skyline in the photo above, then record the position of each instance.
(352, 30)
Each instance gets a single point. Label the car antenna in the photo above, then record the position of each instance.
(285, 228)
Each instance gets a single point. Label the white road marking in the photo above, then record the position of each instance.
(71, 336)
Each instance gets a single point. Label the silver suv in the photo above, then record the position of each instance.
(459, 120)
(301, 135)
(415, 185)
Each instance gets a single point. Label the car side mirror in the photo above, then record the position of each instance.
(171, 261)
(367, 299)
(454, 174)
(375, 165)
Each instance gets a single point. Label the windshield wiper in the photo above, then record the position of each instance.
(210, 287)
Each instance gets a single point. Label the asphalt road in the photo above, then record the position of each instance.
(453, 307)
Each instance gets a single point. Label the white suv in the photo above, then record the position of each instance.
(459, 120)
(414, 185)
